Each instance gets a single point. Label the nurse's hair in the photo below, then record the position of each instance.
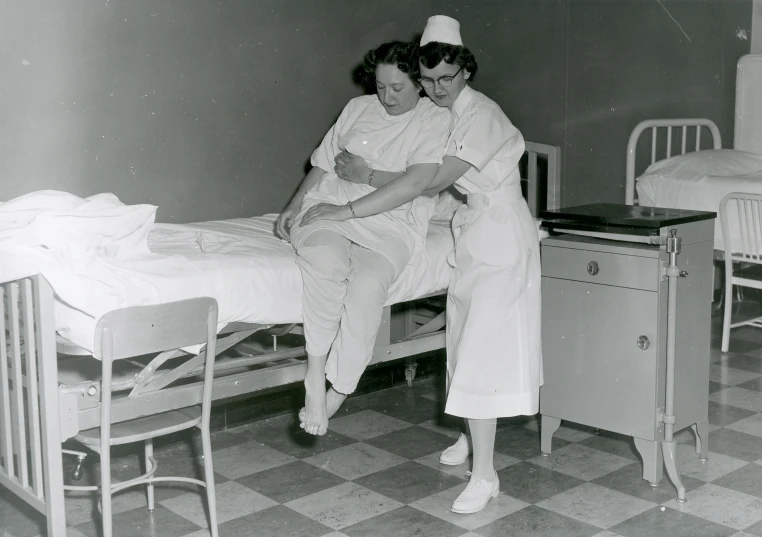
(402, 54)
(434, 52)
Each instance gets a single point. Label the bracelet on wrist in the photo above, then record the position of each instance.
(371, 175)
(352, 210)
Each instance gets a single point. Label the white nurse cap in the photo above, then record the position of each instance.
(442, 29)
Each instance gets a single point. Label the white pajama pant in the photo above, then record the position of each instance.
(345, 288)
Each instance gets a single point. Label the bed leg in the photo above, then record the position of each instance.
(410, 368)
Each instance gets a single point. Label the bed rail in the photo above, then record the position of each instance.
(667, 148)
(30, 444)
(550, 188)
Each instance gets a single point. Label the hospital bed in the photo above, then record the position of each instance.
(49, 385)
(686, 167)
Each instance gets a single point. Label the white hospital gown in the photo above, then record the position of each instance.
(494, 358)
(387, 143)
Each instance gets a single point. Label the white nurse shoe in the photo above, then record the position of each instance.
(457, 453)
(477, 494)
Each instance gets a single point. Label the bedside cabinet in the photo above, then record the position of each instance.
(604, 329)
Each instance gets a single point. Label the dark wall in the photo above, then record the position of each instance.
(630, 60)
(207, 109)
(211, 109)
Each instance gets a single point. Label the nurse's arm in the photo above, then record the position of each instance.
(411, 185)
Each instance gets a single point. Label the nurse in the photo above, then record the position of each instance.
(494, 358)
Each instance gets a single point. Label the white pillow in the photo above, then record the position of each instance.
(710, 162)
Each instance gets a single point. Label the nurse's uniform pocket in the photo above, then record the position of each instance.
(492, 242)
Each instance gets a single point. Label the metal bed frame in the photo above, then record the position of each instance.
(48, 393)
(665, 148)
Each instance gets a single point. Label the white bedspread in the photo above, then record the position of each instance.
(100, 255)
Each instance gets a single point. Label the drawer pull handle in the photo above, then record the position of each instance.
(644, 342)
(592, 268)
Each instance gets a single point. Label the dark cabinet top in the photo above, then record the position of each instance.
(625, 218)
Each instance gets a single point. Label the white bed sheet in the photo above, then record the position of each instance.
(252, 274)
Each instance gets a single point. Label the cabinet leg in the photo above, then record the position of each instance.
(701, 433)
(548, 427)
(653, 463)
(669, 450)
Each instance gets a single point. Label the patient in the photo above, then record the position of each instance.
(347, 267)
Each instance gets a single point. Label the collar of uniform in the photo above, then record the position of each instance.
(461, 103)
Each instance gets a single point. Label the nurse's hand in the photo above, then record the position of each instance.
(351, 168)
(326, 211)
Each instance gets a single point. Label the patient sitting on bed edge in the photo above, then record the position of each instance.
(347, 267)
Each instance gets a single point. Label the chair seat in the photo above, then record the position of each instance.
(141, 429)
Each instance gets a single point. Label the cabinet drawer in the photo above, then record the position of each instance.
(597, 267)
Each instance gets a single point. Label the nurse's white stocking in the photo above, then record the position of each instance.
(483, 440)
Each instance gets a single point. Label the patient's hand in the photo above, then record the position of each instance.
(326, 211)
(285, 221)
(351, 167)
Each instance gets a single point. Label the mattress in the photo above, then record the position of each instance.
(251, 273)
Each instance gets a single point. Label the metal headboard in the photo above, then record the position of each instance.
(664, 149)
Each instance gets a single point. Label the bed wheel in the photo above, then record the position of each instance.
(410, 374)
(76, 473)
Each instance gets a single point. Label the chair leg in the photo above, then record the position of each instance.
(149, 486)
(726, 317)
(106, 493)
(211, 494)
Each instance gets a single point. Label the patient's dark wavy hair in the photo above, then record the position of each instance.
(433, 53)
(402, 54)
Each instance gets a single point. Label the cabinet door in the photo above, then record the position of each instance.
(595, 372)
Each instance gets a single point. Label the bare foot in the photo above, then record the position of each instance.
(333, 402)
(315, 416)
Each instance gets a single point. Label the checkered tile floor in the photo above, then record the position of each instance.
(376, 474)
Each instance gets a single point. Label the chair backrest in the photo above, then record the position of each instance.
(741, 220)
(163, 329)
(139, 330)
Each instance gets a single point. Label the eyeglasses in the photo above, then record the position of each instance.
(444, 81)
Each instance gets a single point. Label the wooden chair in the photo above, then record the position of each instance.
(743, 259)
(137, 331)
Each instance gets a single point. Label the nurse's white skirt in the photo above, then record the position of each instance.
(494, 356)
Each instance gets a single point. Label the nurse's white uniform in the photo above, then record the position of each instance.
(494, 357)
